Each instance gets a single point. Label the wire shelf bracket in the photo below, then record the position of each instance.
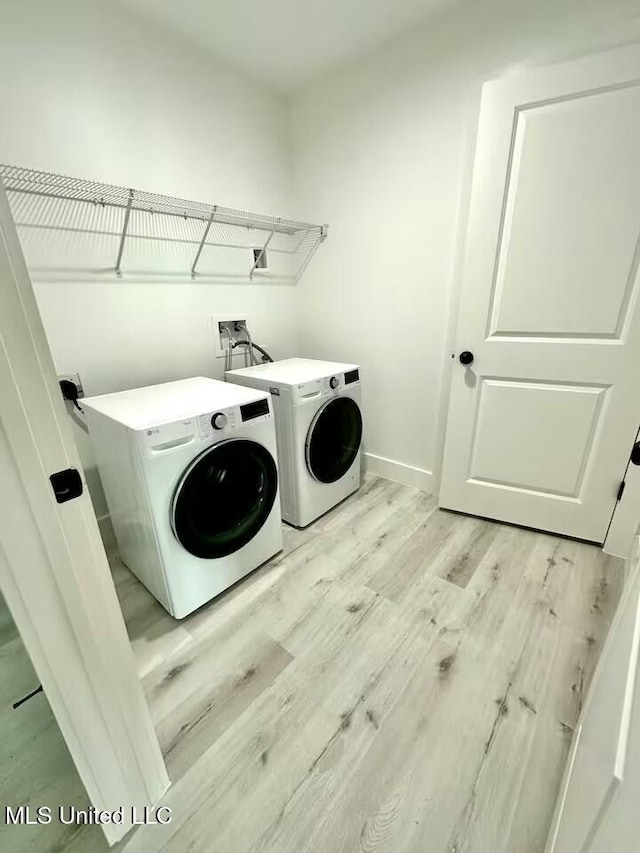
(260, 256)
(203, 241)
(70, 227)
(322, 236)
(125, 225)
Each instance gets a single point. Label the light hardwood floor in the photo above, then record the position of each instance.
(399, 679)
(36, 768)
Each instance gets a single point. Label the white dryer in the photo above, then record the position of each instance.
(319, 431)
(189, 470)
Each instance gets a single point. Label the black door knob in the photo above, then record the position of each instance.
(466, 357)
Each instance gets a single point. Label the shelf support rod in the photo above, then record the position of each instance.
(202, 242)
(127, 214)
(260, 256)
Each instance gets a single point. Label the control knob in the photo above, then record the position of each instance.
(333, 382)
(219, 420)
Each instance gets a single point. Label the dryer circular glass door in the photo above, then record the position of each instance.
(333, 439)
(224, 497)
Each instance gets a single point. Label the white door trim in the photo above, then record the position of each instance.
(628, 600)
(54, 571)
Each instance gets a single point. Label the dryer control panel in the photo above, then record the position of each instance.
(325, 386)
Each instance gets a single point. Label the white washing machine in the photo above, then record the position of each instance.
(319, 431)
(189, 470)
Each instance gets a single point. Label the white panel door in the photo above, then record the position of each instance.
(541, 423)
(597, 810)
(54, 572)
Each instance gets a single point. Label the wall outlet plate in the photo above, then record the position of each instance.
(220, 338)
(75, 378)
(260, 260)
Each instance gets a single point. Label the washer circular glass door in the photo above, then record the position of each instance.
(333, 439)
(224, 497)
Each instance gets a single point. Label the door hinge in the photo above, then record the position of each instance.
(620, 490)
(67, 485)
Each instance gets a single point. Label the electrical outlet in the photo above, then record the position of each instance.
(75, 378)
(222, 325)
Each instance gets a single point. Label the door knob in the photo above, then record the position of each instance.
(466, 357)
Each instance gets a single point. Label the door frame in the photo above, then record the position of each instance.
(632, 571)
(54, 572)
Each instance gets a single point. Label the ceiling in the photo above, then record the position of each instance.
(287, 43)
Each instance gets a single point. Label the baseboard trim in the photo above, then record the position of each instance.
(399, 472)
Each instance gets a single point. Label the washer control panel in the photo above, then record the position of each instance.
(217, 423)
(214, 425)
(219, 420)
(227, 421)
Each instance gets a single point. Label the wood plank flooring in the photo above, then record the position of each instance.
(36, 768)
(398, 679)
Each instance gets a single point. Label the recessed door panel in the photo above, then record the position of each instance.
(568, 252)
(550, 430)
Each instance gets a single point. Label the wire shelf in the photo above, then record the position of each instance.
(75, 226)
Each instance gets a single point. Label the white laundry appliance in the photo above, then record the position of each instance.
(319, 431)
(189, 470)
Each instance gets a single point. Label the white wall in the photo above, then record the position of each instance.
(89, 91)
(383, 152)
